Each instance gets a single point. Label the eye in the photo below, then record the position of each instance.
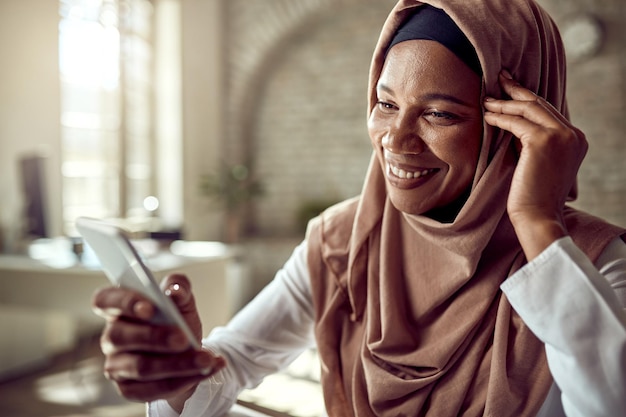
(385, 106)
(441, 118)
(441, 115)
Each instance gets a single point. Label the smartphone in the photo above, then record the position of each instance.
(124, 267)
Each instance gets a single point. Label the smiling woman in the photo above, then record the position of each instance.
(432, 291)
(427, 125)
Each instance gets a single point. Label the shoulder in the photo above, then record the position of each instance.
(590, 233)
(335, 223)
(329, 241)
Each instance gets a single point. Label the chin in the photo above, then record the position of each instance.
(410, 208)
(445, 212)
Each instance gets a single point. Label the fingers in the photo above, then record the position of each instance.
(515, 122)
(119, 302)
(178, 288)
(141, 391)
(141, 367)
(537, 112)
(141, 377)
(146, 360)
(115, 302)
(514, 89)
(527, 115)
(524, 104)
(129, 336)
(128, 315)
(543, 136)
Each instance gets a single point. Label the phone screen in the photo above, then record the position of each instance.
(124, 267)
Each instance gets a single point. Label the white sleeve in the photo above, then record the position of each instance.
(578, 310)
(263, 338)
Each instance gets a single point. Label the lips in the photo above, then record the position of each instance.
(403, 174)
(403, 177)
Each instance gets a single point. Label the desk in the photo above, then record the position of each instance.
(34, 291)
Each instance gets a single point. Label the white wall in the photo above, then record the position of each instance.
(202, 111)
(29, 102)
(30, 108)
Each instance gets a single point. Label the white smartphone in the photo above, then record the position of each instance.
(124, 267)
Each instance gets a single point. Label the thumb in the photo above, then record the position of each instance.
(178, 288)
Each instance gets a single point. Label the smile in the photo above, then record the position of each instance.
(404, 174)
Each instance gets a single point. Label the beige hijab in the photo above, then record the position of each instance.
(410, 319)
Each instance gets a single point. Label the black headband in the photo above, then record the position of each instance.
(434, 24)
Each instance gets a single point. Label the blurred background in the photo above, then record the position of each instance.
(220, 125)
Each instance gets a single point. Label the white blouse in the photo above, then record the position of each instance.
(577, 309)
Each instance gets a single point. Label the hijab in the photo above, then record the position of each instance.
(410, 318)
(429, 23)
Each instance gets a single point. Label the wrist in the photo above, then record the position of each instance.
(536, 233)
(178, 402)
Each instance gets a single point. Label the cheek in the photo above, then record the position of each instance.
(459, 151)
(374, 131)
(464, 158)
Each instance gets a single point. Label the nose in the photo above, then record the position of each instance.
(403, 136)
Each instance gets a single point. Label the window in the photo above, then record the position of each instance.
(106, 66)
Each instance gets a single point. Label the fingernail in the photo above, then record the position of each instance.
(507, 74)
(142, 310)
(205, 363)
(177, 340)
(489, 99)
(172, 289)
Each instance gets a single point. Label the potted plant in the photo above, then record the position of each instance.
(233, 188)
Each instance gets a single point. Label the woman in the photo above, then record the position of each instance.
(458, 283)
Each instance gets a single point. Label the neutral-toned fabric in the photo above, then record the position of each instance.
(410, 318)
(566, 315)
(550, 281)
(431, 23)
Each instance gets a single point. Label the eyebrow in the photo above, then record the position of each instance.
(431, 96)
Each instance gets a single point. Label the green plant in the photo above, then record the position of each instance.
(311, 208)
(232, 186)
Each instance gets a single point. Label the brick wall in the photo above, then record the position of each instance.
(304, 127)
(597, 99)
(296, 105)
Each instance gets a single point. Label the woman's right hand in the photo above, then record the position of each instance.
(146, 361)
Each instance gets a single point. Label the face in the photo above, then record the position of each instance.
(426, 126)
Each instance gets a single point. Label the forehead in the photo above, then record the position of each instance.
(419, 64)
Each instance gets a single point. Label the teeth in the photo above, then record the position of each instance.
(400, 173)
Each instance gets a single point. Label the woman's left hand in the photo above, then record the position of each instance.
(551, 151)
